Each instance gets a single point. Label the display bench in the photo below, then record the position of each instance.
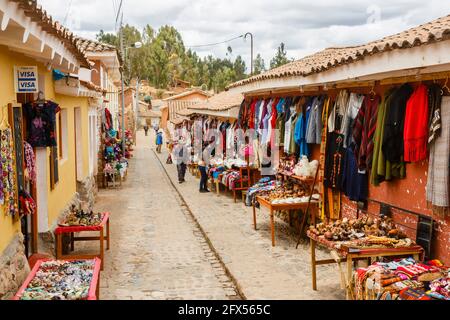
(307, 206)
(247, 178)
(350, 255)
(71, 230)
(94, 287)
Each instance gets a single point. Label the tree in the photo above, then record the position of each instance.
(258, 65)
(280, 57)
(239, 68)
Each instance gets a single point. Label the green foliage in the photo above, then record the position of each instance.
(164, 58)
(258, 65)
(280, 57)
(147, 99)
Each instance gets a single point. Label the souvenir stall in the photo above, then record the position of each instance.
(76, 221)
(402, 279)
(62, 280)
(114, 161)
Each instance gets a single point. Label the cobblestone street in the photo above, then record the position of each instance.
(159, 250)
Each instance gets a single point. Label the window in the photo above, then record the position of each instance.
(62, 135)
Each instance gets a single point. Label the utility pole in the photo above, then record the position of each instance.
(251, 54)
(123, 85)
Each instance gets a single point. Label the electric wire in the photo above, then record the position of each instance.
(215, 44)
(67, 12)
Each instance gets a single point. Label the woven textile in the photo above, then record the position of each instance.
(438, 172)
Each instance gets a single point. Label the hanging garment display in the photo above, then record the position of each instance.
(416, 126)
(394, 124)
(437, 191)
(354, 104)
(354, 183)
(434, 118)
(41, 117)
(289, 127)
(364, 131)
(336, 119)
(300, 131)
(314, 126)
(8, 168)
(382, 168)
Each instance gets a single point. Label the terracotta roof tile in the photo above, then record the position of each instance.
(220, 102)
(434, 31)
(37, 14)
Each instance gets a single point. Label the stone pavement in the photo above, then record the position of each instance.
(260, 271)
(157, 250)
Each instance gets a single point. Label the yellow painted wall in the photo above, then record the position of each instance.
(66, 187)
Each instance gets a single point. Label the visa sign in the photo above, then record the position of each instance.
(26, 79)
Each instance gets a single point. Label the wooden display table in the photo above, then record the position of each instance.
(352, 254)
(94, 288)
(61, 230)
(281, 207)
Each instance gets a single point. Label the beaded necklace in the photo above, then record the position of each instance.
(8, 177)
(337, 161)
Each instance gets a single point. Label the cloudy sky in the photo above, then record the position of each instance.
(305, 26)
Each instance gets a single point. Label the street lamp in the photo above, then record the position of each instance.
(136, 45)
(251, 43)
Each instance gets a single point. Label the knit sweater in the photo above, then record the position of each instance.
(416, 125)
(394, 124)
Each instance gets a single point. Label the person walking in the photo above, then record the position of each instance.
(180, 161)
(146, 130)
(159, 141)
(204, 176)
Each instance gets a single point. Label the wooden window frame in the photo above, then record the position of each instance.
(60, 137)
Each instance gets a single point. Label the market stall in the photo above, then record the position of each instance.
(62, 280)
(79, 221)
(403, 279)
(360, 239)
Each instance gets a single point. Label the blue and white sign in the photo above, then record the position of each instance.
(26, 79)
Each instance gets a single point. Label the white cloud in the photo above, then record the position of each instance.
(305, 26)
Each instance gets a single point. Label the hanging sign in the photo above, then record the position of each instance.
(26, 79)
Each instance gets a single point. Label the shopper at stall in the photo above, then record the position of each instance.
(159, 141)
(179, 157)
(203, 168)
(146, 130)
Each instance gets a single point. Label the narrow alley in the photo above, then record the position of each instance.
(159, 252)
(156, 250)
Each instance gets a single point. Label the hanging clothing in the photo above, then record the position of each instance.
(435, 121)
(383, 169)
(315, 124)
(416, 125)
(300, 134)
(364, 131)
(354, 184)
(288, 133)
(292, 143)
(393, 143)
(354, 104)
(438, 183)
(336, 119)
(41, 118)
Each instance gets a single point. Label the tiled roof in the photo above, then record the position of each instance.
(187, 93)
(431, 32)
(220, 102)
(87, 45)
(38, 15)
(92, 86)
